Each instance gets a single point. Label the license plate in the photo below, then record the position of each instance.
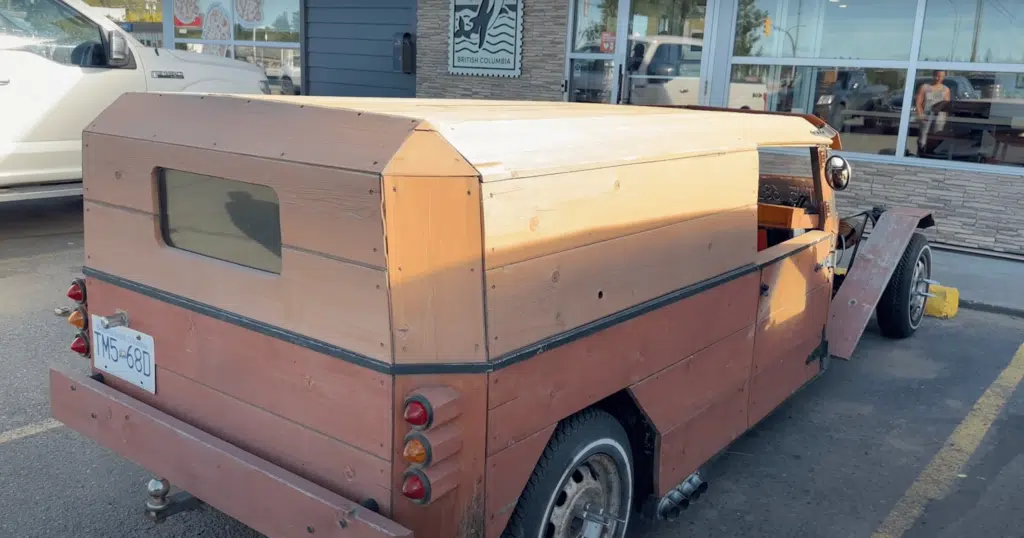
(125, 353)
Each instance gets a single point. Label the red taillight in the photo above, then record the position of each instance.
(77, 291)
(416, 488)
(416, 414)
(80, 344)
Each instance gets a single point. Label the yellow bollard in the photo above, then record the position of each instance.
(945, 303)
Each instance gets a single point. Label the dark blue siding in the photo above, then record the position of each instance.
(349, 47)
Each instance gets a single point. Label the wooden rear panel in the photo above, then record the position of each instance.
(529, 217)
(541, 297)
(315, 296)
(327, 210)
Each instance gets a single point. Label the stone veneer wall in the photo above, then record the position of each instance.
(543, 67)
(972, 209)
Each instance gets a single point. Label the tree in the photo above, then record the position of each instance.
(749, 25)
(281, 24)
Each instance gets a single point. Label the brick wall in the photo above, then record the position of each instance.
(972, 209)
(543, 67)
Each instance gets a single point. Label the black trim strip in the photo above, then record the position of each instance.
(503, 361)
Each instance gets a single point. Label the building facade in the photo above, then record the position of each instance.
(958, 65)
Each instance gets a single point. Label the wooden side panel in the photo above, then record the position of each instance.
(538, 298)
(336, 212)
(327, 462)
(329, 395)
(791, 320)
(531, 395)
(685, 448)
(529, 217)
(459, 513)
(435, 268)
(508, 472)
(267, 497)
(321, 298)
(680, 392)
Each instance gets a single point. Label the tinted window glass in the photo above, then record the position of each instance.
(221, 218)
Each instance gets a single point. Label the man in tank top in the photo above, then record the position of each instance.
(929, 95)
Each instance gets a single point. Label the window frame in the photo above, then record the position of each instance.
(912, 66)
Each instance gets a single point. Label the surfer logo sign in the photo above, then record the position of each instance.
(486, 37)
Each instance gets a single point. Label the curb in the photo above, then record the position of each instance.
(992, 308)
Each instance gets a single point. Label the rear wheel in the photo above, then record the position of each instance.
(588, 462)
(901, 308)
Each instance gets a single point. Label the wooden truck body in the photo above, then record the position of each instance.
(401, 317)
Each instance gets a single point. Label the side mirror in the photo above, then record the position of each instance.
(838, 172)
(118, 53)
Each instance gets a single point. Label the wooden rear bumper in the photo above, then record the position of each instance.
(252, 490)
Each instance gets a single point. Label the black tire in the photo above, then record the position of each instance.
(586, 437)
(901, 308)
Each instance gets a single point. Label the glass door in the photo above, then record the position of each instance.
(595, 52)
(667, 57)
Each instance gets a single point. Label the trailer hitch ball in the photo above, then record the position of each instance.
(158, 488)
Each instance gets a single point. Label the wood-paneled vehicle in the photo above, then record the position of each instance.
(456, 318)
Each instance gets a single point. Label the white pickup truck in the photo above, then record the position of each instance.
(61, 64)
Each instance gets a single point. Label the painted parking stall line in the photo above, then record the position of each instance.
(30, 430)
(936, 480)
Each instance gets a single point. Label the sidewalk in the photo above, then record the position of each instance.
(985, 283)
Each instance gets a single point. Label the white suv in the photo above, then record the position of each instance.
(61, 64)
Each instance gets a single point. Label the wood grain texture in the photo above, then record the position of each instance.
(688, 446)
(790, 278)
(264, 496)
(508, 472)
(327, 462)
(331, 396)
(785, 217)
(435, 269)
(425, 153)
(529, 217)
(681, 391)
(531, 395)
(538, 298)
(326, 210)
(347, 139)
(321, 298)
(460, 512)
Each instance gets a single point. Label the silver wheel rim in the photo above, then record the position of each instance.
(919, 287)
(594, 480)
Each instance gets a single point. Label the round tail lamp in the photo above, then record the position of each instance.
(77, 291)
(416, 486)
(418, 412)
(80, 344)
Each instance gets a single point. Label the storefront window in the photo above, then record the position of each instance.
(951, 119)
(591, 81)
(666, 43)
(974, 31)
(863, 104)
(849, 29)
(850, 65)
(263, 32)
(594, 27)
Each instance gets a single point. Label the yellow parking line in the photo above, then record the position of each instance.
(30, 430)
(936, 480)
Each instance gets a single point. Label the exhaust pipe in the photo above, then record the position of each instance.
(680, 497)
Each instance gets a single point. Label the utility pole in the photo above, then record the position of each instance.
(977, 30)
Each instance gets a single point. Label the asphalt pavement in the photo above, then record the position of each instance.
(914, 438)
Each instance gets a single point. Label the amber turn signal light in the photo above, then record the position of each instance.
(416, 452)
(77, 291)
(80, 344)
(77, 319)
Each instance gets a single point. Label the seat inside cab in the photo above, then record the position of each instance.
(786, 206)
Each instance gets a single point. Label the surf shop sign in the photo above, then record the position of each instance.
(486, 38)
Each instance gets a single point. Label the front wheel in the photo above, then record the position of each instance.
(588, 463)
(901, 307)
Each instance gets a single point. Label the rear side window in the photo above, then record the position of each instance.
(221, 218)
